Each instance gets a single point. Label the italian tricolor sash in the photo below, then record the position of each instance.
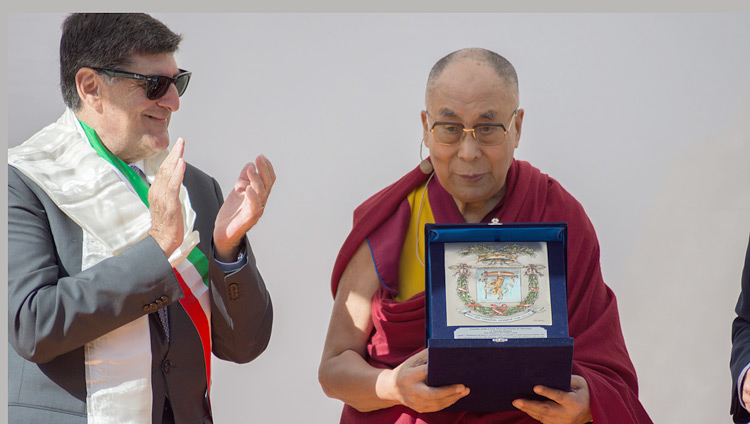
(83, 184)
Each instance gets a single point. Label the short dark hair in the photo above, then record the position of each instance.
(108, 40)
(501, 65)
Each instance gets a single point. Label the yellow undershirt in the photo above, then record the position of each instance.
(410, 271)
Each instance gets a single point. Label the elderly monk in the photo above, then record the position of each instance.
(374, 357)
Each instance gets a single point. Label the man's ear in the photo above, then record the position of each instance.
(89, 84)
(518, 124)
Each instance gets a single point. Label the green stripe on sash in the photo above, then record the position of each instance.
(199, 261)
(134, 179)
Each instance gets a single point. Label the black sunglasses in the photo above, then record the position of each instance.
(156, 85)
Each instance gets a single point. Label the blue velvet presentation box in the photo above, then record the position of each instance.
(496, 318)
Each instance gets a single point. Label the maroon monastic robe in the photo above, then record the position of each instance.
(599, 356)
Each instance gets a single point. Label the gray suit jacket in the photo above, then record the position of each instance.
(54, 309)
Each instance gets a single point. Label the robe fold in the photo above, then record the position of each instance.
(599, 356)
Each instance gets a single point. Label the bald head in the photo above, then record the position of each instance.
(497, 63)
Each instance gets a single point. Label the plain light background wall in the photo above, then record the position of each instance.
(644, 118)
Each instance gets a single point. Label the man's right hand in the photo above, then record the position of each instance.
(345, 374)
(410, 389)
(746, 391)
(164, 200)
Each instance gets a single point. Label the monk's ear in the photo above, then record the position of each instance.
(89, 85)
(518, 124)
(425, 131)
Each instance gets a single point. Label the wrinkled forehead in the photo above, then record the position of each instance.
(469, 82)
(469, 93)
(153, 64)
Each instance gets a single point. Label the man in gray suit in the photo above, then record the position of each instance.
(126, 266)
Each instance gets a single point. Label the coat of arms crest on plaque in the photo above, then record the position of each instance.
(500, 283)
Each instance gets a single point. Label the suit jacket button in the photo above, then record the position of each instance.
(146, 307)
(166, 366)
(164, 299)
(234, 291)
(158, 302)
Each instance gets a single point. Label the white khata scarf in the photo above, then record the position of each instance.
(69, 162)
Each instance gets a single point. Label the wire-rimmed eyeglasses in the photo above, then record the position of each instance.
(486, 134)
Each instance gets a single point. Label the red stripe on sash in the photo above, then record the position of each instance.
(198, 317)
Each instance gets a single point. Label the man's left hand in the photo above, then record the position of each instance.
(243, 207)
(572, 407)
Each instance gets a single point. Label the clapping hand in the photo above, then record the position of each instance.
(243, 207)
(164, 201)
